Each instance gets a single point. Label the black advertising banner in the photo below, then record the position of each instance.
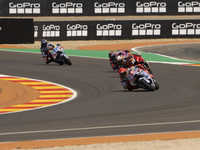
(15, 31)
(114, 30)
(24, 7)
(98, 8)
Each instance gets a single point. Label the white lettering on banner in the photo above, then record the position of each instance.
(146, 29)
(67, 8)
(51, 30)
(109, 29)
(24, 8)
(35, 31)
(151, 7)
(109, 7)
(189, 7)
(76, 30)
(186, 29)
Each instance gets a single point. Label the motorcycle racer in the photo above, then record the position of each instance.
(46, 47)
(123, 54)
(131, 77)
(113, 60)
(117, 59)
(127, 78)
(136, 59)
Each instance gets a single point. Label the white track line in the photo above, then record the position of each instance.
(101, 127)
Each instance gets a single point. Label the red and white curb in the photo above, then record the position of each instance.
(50, 94)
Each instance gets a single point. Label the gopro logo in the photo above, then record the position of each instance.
(109, 7)
(186, 29)
(51, 30)
(67, 8)
(109, 29)
(24, 8)
(146, 29)
(151, 7)
(189, 7)
(77, 30)
(35, 31)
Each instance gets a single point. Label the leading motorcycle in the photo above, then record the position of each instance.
(142, 78)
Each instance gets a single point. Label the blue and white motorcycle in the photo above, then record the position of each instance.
(59, 56)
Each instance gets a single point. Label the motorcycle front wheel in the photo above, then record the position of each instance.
(147, 85)
(67, 60)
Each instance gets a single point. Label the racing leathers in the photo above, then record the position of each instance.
(113, 60)
(139, 59)
(117, 59)
(135, 59)
(46, 52)
(128, 79)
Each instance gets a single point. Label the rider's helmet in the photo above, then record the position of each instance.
(58, 44)
(122, 72)
(127, 51)
(111, 54)
(43, 43)
(129, 55)
(119, 58)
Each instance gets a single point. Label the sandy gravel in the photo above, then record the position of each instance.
(185, 144)
(87, 18)
(14, 93)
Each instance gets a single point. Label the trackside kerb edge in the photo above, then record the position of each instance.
(50, 94)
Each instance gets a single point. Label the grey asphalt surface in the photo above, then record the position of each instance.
(102, 103)
(181, 51)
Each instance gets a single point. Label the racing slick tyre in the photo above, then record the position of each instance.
(156, 86)
(147, 85)
(67, 60)
(61, 63)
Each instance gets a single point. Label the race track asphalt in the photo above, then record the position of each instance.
(102, 106)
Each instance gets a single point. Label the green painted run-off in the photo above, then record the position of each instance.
(104, 54)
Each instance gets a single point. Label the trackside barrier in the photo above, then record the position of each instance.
(16, 31)
(113, 30)
(98, 8)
